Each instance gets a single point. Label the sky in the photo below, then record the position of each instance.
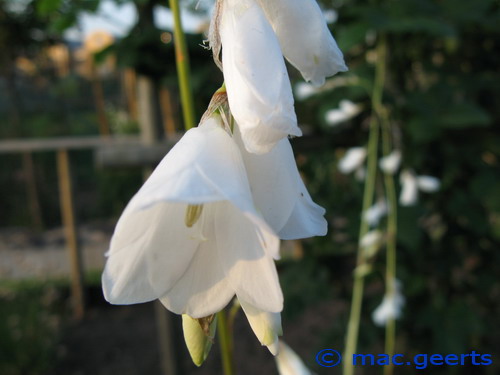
(118, 19)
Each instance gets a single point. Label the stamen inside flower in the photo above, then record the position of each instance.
(193, 213)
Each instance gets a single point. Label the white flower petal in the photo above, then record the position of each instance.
(353, 159)
(140, 266)
(244, 245)
(203, 289)
(390, 163)
(305, 38)
(289, 363)
(409, 188)
(428, 184)
(279, 193)
(307, 218)
(258, 87)
(265, 325)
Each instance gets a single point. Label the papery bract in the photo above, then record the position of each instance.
(194, 270)
(304, 38)
(258, 87)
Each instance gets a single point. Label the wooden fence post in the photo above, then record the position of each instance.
(68, 218)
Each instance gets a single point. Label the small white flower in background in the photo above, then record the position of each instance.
(409, 188)
(391, 306)
(390, 163)
(295, 22)
(428, 184)
(360, 174)
(346, 111)
(304, 90)
(191, 237)
(376, 212)
(411, 184)
(289, 363)
(352, 160)
(331, 16)
(371, 242)
(258, 87)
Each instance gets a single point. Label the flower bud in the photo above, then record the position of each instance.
(198, 335)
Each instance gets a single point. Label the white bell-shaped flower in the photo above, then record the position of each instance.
(192, 237)
(280, 194)
(258, 87)
(304, 38)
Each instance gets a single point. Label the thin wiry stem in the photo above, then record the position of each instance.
(183, 71)
(368, 196)
(225, 343)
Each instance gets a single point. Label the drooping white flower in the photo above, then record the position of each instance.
(258, 87)
(304, 38)
(346, 111)
(289, 363)
(428, 184)
(390, 163)
(192, 237)
(412, 183)
(391, 306)
(376, 212)
(352, 160)
(280, 194)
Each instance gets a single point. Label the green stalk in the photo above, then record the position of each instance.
(359, 277)
(225, 342)
(390, 275)
(183, 71)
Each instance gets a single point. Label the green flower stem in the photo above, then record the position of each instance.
(390, 275)
(225, 342)
(183, 71)
(369, 190)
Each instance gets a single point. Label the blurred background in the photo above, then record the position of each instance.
(89, 99)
